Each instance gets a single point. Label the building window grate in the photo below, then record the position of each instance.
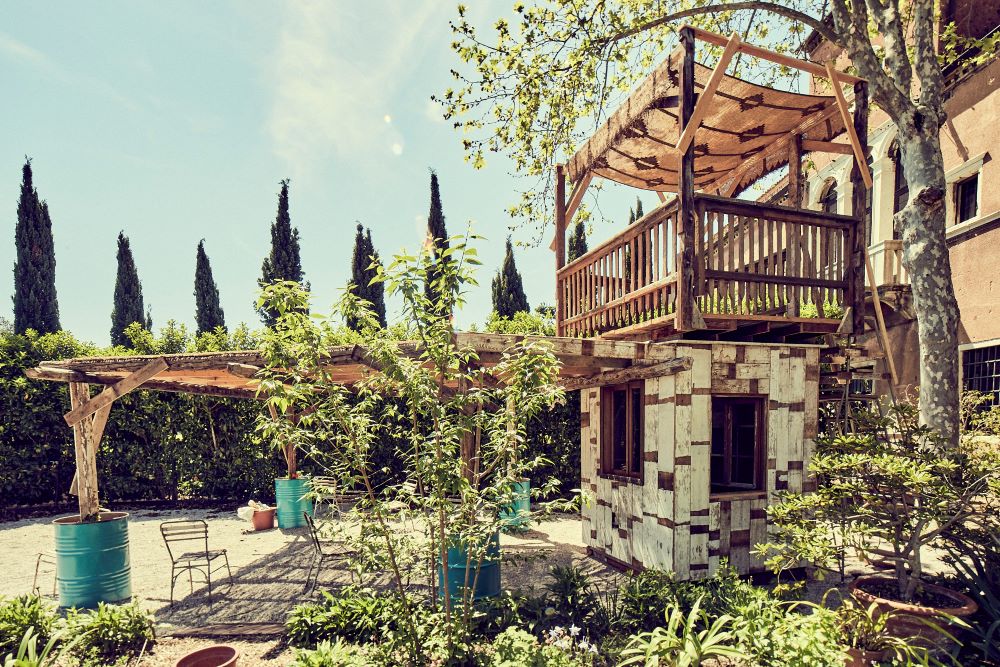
(981, 372)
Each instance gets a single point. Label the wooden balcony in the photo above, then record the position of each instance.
(760, 272)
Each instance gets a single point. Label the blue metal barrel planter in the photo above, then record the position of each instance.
(518, 513)
(488, 582)
(288, 496)
(92, 560)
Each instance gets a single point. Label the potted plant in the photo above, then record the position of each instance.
(890, 490)
(867, 635)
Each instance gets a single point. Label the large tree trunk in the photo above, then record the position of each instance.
(925, 256)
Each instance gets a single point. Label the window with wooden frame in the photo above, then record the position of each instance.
(622, 429)
(738, 445)
(967, 198)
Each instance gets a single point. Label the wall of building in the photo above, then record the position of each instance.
(669, 520)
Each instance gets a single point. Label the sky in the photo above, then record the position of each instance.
(175, 122)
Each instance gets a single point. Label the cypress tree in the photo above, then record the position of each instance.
(508, 289)
(35, 303)
(208, 310)
(437, 236)
(284, 262)
(638, 209)
(361, 276)
(129, 306)
(577, 242)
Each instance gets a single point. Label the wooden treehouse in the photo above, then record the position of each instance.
(682, 464)
(704, 264)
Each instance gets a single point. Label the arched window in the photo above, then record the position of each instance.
(828, 200)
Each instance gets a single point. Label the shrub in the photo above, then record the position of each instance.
(685, 639)
(326, 654)
(518, 648)
(110, 634)
(21, 614)
(351, 614)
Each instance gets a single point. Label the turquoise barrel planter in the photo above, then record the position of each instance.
(92, 560)
(518, 513)
(288, 496)
(488, 583)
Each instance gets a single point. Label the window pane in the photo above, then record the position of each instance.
(636, 430)
(619, 426)
(829, 200)
(968, 195)
(744, 440)
(981, 372)
(717, 466)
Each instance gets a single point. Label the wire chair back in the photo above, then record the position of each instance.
(184, 530)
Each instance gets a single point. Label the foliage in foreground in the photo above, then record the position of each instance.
(33, 635)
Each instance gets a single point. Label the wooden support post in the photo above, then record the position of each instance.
(705, 99)
(883, 335)
(795, 201)
(576, 197)
(468, 444)
(684, 316)
(855, 261)
(859, 140)
(85, 445)
(560, 244)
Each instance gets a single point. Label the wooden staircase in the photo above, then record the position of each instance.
(848, 380)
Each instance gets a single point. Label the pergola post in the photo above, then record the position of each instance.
(684, 313)
(860, 182)
(85, 444)
(560, 242)
(795, 201)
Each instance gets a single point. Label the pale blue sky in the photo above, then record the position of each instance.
(175, 121)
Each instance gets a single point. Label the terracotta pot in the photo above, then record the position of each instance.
(220, 655)
(907, 620)
(857, 657)
(263, 519)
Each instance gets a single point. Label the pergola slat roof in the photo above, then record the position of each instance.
(737, 138)
(231, 374)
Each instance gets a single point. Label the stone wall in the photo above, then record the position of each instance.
(668, 519)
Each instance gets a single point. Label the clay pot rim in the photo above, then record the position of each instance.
(967, 607)
(234, 653)
(102, 517)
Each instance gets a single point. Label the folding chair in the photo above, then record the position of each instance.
(200, 560)
(323, 551)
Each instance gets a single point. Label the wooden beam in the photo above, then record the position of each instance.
(845, 115)
(766, 54)
(85, 447)
(117, 390)
(795, 148)
(642, 372)
(243, 370)
(880, 321)
(683, 316)
(560, 241)
(663, 197)
(813, 146)
(576, 196)
(706, 98)
(854, 262)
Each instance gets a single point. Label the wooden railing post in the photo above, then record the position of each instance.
(85, 445)
(560, 245)
(855, 260)
(684, 317)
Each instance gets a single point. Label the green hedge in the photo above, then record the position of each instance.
(160, 445)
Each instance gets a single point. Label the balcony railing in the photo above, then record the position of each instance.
(887, 263)
(751, 260)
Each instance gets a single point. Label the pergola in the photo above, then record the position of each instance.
(585, 363)
(705, 136)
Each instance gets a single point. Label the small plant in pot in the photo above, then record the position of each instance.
(865, 632)
(890, 491)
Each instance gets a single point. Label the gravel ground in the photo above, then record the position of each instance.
(269, 574)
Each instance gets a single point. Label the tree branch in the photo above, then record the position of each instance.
(774, 8)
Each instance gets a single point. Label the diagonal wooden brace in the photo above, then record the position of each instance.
(117, 390)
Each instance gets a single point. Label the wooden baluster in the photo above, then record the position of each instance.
(734, 287)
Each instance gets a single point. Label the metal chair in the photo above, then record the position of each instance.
(200, 560)
(323, 551)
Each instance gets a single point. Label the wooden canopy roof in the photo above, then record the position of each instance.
(738, 126)
(585, 362)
